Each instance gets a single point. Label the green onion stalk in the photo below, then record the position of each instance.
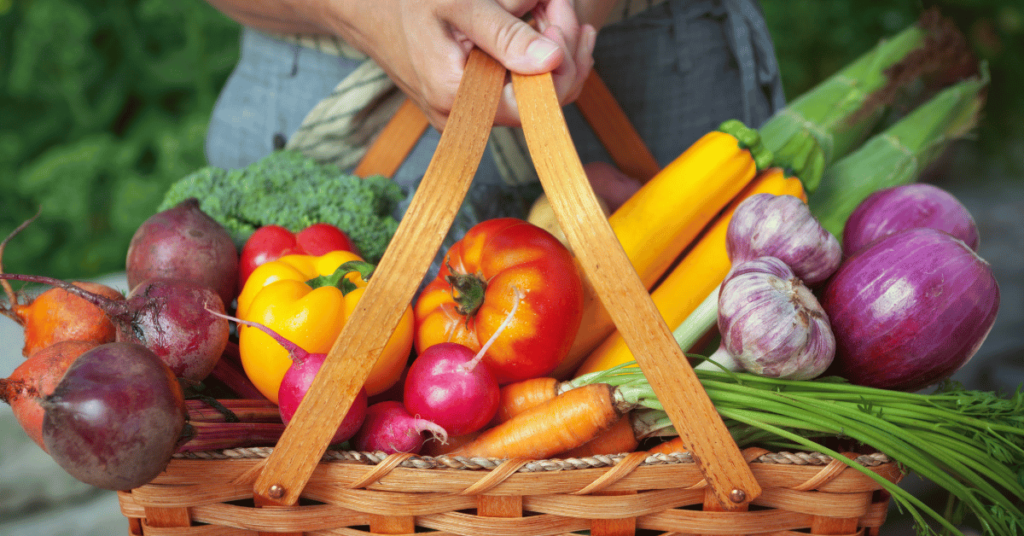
(831, 119)
(900, 153)
(971, 443)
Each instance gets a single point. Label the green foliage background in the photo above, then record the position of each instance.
(103, 103)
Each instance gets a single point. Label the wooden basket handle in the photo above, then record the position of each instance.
(625, 297)
(418, 238)
(596, 104)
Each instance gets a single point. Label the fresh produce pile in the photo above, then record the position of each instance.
(816, 291)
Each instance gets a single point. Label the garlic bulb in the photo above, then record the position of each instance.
(771, 324)
(782, 226)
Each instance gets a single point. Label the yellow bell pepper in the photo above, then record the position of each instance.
(286, 296)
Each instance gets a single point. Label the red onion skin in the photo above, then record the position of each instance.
(909, 310)
(907, 207)
(782, 226)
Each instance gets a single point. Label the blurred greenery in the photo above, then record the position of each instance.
(103, 103)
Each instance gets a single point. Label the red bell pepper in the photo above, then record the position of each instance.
(272, 242)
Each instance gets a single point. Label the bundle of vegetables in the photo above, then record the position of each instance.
(969, 442)
(831, 119)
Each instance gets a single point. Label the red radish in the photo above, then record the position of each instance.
(34, 379)
(299, 378)
(166, 316)
(390, 428)
(183, 242)
(451, 386)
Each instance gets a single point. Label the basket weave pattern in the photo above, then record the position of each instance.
(354, 493)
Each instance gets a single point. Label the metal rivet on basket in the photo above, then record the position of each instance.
(276, 491)
(736, 495)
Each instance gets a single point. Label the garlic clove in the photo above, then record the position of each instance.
(782, 226)
(771, 324)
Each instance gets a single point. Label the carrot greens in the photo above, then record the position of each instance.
(969, 442)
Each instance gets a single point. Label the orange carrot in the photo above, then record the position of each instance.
(668, 447)
(520, 396)
(615, 440)
(562, 423)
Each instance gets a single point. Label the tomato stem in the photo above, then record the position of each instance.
(470, 292)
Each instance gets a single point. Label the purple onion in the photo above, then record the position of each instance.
(782, 226)
(907, 207)
(771, 324)
(910, 309)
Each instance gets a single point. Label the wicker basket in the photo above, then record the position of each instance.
(298, 487)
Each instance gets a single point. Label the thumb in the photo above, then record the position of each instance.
(511, 41)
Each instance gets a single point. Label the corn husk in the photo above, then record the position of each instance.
(831, 119)
(900, 153)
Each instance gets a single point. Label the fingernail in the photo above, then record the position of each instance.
(591, 35)
(541, 49)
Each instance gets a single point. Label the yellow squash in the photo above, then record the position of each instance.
(665, 216)
(698, 273)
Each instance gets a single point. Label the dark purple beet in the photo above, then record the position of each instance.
(183, 242)
(909, 310)
(115, 418)
(170, 318)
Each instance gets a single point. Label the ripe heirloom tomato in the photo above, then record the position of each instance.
(498, 262)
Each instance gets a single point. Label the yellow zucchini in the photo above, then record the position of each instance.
(661, 219)
(698, 273)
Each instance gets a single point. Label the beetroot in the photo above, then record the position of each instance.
(58, 315)
(169, 317)
(115, 418)
(36, 378)
(182, 242)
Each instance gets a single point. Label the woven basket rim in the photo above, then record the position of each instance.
(414, 461)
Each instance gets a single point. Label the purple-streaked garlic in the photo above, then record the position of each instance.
(782, 226)
(771, 324)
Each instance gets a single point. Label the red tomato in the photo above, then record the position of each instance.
(272, 242)
(499, 262)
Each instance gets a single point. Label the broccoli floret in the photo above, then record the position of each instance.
(288, 189)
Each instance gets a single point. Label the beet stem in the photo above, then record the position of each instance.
(229, 372)
(219, 436)
(11, 296)
(247, 410)
(111, 307)
(226, 414)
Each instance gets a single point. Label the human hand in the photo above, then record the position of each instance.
(423, 45)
